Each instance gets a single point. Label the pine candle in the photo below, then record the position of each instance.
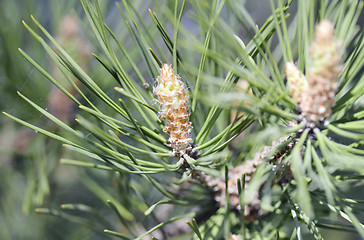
(173, 98)
(316, 93)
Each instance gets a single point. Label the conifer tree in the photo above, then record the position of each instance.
(177, 138)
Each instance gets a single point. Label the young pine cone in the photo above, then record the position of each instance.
(298, 84)
(316, 95)
(172, 98)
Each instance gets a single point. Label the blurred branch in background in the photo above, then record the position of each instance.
(29, 167)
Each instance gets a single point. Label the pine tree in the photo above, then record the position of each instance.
(179, 138)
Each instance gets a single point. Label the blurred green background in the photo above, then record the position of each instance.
(30, 174)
